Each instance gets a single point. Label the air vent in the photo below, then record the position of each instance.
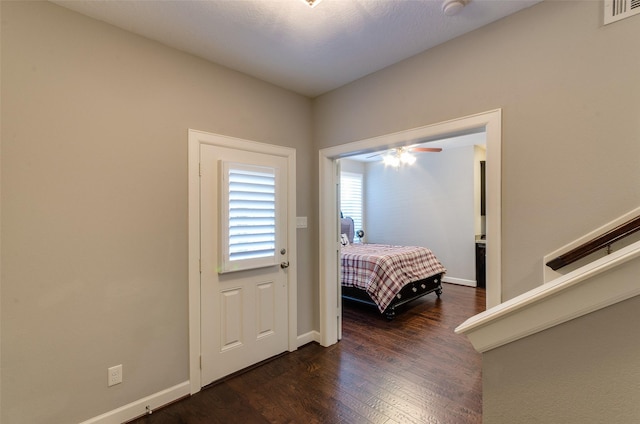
(614, 10)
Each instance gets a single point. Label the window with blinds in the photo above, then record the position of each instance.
(351, 198)
(249, 208)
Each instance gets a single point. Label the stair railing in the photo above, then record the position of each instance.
(603, 241)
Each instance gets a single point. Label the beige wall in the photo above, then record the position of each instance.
(94, 206)
(583, 371)
(570, 98)
(94, 175)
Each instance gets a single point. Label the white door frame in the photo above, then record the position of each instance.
(196, 139)
(491, 122)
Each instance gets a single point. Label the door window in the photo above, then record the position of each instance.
(249, 209)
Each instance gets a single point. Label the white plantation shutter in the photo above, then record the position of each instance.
(351, 198)
(250, 208)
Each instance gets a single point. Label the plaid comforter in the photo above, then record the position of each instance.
(382, 270)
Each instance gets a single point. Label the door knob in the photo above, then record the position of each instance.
(284, 265)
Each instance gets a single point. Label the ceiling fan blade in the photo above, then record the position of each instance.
(426, 149)
(374, 155)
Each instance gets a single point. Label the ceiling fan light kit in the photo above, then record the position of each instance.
(407, 158)
(399, 157)
(404, 155)
(391, 160)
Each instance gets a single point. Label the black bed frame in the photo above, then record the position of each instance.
(411, 291)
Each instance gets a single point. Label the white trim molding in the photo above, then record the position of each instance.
(311, 336)
(139, 407)
(565, 298)
(490, 122)
(459, 281)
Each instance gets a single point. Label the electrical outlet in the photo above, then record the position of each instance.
(114, 375)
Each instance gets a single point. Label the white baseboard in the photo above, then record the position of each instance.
(459, 281)
(311, 336)
(155, 401)
(138, 408)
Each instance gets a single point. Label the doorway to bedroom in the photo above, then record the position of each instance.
(488, 123)
(434, 201)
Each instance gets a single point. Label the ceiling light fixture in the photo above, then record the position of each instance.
(408, 158)
(399, 156)
(312, 3)
(453, 7)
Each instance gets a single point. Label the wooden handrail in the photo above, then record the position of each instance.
(606, 239)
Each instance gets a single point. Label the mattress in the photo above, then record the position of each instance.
(383, 270)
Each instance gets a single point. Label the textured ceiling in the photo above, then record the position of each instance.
(285, 42)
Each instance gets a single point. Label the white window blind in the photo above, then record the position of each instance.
(351, 198)
(249, 212)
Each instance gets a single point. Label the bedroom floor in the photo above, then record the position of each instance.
(413, 369)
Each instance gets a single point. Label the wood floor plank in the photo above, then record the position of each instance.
(413, 369)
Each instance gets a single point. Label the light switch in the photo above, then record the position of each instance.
(301, 222)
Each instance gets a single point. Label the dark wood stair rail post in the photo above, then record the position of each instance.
(605, 240)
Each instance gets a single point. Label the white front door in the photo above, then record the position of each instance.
(244, 259)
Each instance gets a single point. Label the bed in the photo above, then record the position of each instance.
(388, 276)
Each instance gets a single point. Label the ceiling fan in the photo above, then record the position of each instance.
(404, 155)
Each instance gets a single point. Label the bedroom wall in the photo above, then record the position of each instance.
(94, 206)
(431, 204)
(570, 151)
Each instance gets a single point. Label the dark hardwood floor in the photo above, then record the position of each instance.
(413, 369)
